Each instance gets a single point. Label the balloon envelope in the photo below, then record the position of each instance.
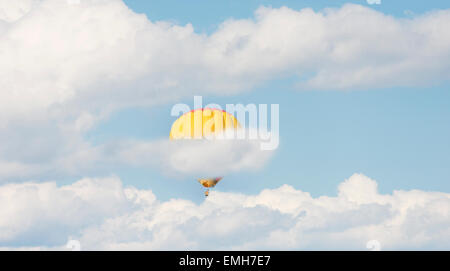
(202, 123)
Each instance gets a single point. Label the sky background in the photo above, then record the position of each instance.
(398, 136)
(86, 95)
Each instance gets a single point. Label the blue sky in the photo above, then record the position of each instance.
(207, 15)
(85, 101)
(399, 135)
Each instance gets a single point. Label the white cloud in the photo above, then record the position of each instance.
(60, 54)
(102, 214)
(11, 11)
(204, 157)
(208, 158)
(372, 2)
(31, 209)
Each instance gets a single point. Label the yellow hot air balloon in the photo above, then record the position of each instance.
(202, 123)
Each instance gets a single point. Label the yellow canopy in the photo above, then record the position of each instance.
(202, 122)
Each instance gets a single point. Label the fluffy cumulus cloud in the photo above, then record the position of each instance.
(55, 53)
(11, 11)
(198, 157)
(103, 214)
(32, 209)
(174, 158)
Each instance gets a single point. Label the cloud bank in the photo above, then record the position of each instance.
(195, 157)
(102, 214)
(179, 158)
